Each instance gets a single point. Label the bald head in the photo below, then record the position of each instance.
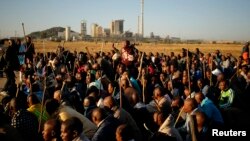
(98, 114)
(189, 105)
(109, 102)
(199, 97)
(57, 95)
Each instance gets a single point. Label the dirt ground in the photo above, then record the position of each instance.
(48, 46)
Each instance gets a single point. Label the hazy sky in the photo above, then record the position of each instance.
(188, 19)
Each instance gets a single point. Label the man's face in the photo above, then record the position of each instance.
(27, 39)
(162, 77)
(86, 102)
(110, 88)
(88, 78)
(66, 135)
(199, 84)
(222, 85)
(186, 107)
(123, 84)
(47, 132)
(157, 93)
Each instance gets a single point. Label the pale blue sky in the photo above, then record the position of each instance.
(188, 19)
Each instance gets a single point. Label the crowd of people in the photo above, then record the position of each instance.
(121, 95)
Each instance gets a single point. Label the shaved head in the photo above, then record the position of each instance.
(189, 105)
(57, 95)
(98, 114)
(199, 97)
(109, 102)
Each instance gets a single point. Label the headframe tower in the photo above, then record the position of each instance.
(142, 18)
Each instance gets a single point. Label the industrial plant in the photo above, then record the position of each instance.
(115, 30)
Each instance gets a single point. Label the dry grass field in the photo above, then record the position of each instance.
(49, 46)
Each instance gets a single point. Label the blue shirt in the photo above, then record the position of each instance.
(211, 111)
(135, 84)
(21, 56)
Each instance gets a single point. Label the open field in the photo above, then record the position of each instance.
(235, 49)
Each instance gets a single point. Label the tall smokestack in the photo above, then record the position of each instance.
(142, 20)
(138, 32)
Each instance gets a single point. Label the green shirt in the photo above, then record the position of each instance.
(226, 98)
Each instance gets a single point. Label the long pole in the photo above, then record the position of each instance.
(211, 69)
(30, 84)
(188, 71)
(17, 90)
(157, 105)
(74, 66)
(63, 85)
(143, 91)
(140, 66)
(193, 127)
(237, 68)
(44, 50)
(42, 106)
(120, 94)
(113, 94)
(179, 115)
(24, 34)
(204, 69)
(102, 48)
(87, 49)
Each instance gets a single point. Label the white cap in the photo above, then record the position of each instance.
(216, 72)
(116, 56)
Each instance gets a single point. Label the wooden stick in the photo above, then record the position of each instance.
(143, 91)
(52, 69)
(130, 84)
(74, 69)
(63, 86)
(43, 49)
(101, 49)
(27, 47)
(30, 84)
(140, 66)
(100, 83)
(24, 35)
(211, 68)
(42, 107)
(193, 127)
(188, 71)
(179, 115)
(17, 91)
(157, 105)
(120, 94)
(237, 68)
(204, 69)
(87, 49)
(113, 94)
(115, 76)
